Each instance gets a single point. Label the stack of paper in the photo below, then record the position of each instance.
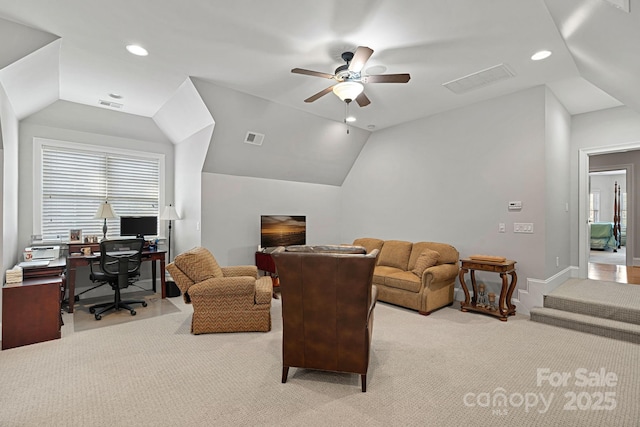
(14, 275)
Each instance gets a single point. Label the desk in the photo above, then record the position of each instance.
(505, 307)
(55, 267)
(74, 261)
(31, 312)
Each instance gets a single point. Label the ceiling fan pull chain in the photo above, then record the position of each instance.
(346, 114)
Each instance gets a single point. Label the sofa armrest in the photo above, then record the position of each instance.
(240, 270)
(439, 276)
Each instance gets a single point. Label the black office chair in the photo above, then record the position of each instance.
(120, 266)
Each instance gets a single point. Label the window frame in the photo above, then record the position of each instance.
(39, 143)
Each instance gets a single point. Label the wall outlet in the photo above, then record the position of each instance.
(502, 228)
(523, 227)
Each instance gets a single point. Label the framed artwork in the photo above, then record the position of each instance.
(75, 236)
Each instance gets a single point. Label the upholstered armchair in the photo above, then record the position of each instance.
(327, 308)
(224, 299)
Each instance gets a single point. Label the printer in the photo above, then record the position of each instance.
(44, 252)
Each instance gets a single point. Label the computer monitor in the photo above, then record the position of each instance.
(139, 226)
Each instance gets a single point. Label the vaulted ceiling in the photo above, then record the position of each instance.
(74, 50)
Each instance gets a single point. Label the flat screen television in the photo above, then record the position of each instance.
(282, 230)
(139, 226)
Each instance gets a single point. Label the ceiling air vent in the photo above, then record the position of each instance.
(481, 78)
(109, 104)
(254, 138)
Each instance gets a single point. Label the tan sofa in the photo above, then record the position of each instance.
(420, 276)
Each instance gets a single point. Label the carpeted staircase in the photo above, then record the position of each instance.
(602, 308)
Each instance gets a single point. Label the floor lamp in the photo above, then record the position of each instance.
(105, 211)
(169, 214)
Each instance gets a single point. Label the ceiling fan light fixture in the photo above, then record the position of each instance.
(348, 90)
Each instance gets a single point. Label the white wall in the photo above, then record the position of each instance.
(189, 158)
(232, 205)
(449, 178)
(607, 130)
(9, 205)
(557, 187)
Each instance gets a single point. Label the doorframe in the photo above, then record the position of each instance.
(628, 168)
(583, 202)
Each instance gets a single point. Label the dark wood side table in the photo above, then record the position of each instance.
(31, 312)
(504, 306)
(264, 262)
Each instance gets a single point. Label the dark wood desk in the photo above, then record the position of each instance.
(265, 262)
(31, 312)
(56, 267)
(78, 260)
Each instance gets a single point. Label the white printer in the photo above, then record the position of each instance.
(43, 252)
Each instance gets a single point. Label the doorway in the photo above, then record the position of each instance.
(608, 216)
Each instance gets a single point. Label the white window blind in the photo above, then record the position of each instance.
(75, 183)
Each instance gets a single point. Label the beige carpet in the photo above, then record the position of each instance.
(447, 369)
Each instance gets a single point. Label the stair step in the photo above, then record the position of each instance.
(585, 323)
(601, 309)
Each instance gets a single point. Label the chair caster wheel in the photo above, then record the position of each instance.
(98, 317)
(133, 312)
(144, 304)
(92, 310)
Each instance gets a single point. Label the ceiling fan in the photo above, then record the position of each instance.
(349, 78)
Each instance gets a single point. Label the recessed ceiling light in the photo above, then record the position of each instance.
(137, 50)
(116, 96)
(350, 119)
(543, 54)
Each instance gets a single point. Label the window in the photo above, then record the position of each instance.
(76, 178)
(594, 206)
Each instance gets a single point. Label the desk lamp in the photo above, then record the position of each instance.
(105, 211)
(169, 213)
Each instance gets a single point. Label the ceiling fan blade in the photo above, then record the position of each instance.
(360, 57)
(312, 73)
(322, 93)
(362, 100)
(387, 78)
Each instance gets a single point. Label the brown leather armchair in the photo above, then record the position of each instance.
(225, 299)
(327, 308)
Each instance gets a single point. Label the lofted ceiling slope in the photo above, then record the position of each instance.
(248, 47)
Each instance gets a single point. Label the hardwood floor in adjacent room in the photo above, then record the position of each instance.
(610, 266)
(614, 273)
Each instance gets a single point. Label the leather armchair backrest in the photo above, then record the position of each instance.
(326, 301)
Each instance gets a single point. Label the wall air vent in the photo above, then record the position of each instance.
(254, 138)
(109, 104)
(620, 4)
(481, 78)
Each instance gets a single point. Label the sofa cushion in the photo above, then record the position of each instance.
(427, 258)
(448, 254)
(380, 272)
(198, 264)
(405, 280)
(395, 253)
(369, 243)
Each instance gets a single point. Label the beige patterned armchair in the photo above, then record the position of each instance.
(224, 299)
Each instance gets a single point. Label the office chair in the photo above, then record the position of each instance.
(120, 266)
